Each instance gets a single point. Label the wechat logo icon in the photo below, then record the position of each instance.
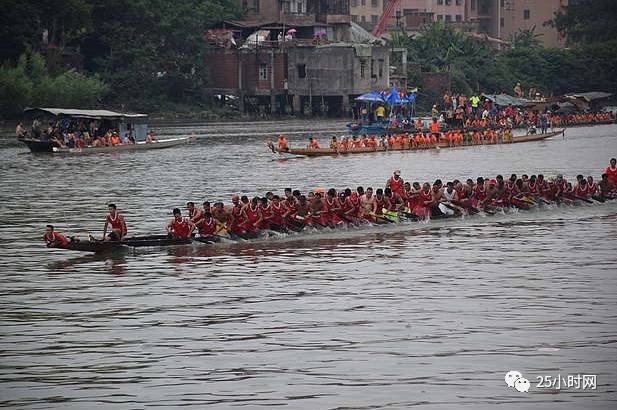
(515, 379)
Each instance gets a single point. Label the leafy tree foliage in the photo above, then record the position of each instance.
(588, 21)
(28, 83)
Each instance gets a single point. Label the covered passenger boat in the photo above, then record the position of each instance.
(131, 129)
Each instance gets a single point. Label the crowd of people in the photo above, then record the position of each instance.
(294, 210)
(74, 133)
(462, 112)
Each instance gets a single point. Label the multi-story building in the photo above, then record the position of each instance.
(366, 12)
(324, 65)
(498, 18)
(503, 18)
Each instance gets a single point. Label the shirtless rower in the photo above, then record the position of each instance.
(54, 239)
(179, 227)
(194, 212)
(607, 188)
(220, 214)
(367, 203)
(117, 223)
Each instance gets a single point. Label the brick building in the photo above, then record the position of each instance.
(321, 69)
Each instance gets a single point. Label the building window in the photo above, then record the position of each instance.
(374, 3)
(363, 2)
(263, 72)
(503, 3)
(439, 17)
(362, 68)
(301, 70)
(363, 19)
(380, 68)
(440, 2)
(448, 2)
(473, 5)
(354, 18)
(374, 19)
(459, 18)
(256, 5)
(526, 14)
(459, 2)
(501, 22)
(448, 18)
(354, 3)
(372, 68)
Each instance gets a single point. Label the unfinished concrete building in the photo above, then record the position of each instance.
(296, 56)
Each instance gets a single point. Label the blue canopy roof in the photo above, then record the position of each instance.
(393, 97)
(370, 97)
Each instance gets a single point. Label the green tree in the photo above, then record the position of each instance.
(28, 83)
(525, 38)
(22, 23)
(587, 21)
(152, 52)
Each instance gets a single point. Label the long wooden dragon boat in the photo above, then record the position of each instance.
(316, 152)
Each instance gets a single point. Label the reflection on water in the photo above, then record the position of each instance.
(420, 314)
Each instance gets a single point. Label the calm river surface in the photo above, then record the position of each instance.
(425, 315)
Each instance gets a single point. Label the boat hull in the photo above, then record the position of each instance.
(399, 147)
(38, 146)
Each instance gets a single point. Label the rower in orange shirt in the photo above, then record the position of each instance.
(282, 143)
(313, 144)
(433, 140)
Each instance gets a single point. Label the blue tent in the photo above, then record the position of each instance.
(393, 98)
(370, 97)
(409, 98)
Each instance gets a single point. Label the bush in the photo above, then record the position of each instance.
(28, 84)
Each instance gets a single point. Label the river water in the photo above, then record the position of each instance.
(418, 315)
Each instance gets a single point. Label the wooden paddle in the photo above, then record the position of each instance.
(380, 217)
(580, 198)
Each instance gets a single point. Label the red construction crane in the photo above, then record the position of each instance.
(385, 16)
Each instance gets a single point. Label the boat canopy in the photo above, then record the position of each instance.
(504, 100)
(91, 114)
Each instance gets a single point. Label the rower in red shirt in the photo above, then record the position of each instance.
(479, 193)
(54, 239)
(592, 187)
(252, 215)
(117, 223)
(425, 197)
(207, 225)
(332, 207)
(396, 183)
(611, 171)
(179, 227)
(237, 222)
(581, 189)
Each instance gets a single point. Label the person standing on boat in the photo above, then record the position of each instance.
(611, 171)
(54, 239)
(117, 224)
(396, 183)
(179, 227)
(380, 113)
